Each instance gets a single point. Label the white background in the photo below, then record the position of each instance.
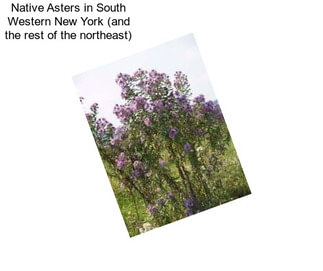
(265, 60)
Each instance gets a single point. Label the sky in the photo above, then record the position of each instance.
(98, 85)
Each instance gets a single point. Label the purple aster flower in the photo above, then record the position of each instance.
(119, 132)
(153, 74)
(149, 107)
(209, 107)
(123, 81)
(213, 108)
(123, 112)
(136, 173)
(139, 73)
(120, 164)
(138, 103)
(188, 203)
(101, 123)
(94, 107)
(121, 161)
(147, 122)
(187, 108)
(158, 104)
(134, 107)
(187, 147)
(138, 165)
(89, 116)
(199, 99)
(140, 100)
(181, 99)
(138, 169)
(217, 111)
(152, 209)
(172, 133)
(161, 202)
(141, 84)
(101, 132)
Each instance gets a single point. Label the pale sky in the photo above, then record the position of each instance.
(182, 54)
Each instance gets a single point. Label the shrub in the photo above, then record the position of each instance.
(169, 151)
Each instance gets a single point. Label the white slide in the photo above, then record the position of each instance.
(161, 135)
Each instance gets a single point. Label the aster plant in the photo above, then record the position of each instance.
(167, 153)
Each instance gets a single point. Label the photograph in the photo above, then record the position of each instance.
(161, 135)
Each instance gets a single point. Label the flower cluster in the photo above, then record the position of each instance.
(142, 80)
(181, 82)
(173, 132)
(121, 161)
(138, 103)
(187, 147)
(152, 209)
(138, 169)
(94, 107)
(123, 112)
